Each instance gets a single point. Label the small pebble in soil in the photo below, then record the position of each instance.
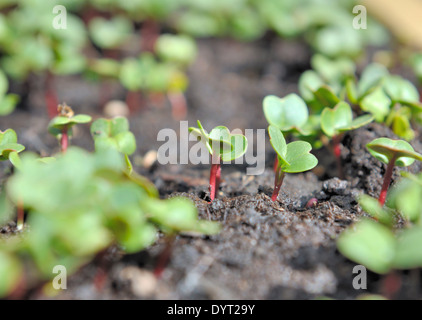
(143, 283)
(335, 186)
(115, 108)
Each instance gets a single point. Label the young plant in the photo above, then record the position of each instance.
(292, 158)
(9, 147)
(114, 133)
(392, 152)
(61, 126)
(222, 145)
(289, 114)
(336, 121)
(9, 150)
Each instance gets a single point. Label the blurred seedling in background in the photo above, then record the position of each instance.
(114, 134)
(388, 244)
(292, 158)
(393, 153)
(223, 146)
(9, 150)
(336, 121)
(61, 125)
(391, 99)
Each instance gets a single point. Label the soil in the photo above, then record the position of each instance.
(266, 250)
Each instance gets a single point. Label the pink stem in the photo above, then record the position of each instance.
(64, 142)
(215, 176)
(51, 99)
(387, 180)
(275, 164)
(178, 105)
(279, 177)
(20, 214)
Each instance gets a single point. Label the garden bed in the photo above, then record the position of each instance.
(265, 250)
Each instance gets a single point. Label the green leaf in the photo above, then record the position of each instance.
(371, 77)
(332, 70)
(326, 96)
(309, 82)
(399, 89)
(406, 197)
(278, 142)
(239, 144)
(10, 273)
(370, 244)
(113, 133)
(221, 142)
(8, 144)
(4, 84)
(110, 33)
(384, 149)
(287, 113)
(298, 157)
(8, 104)
(377, 103)
(334, 119)
(60, 123)
(371, 206)
(408, 252)
(180, 49)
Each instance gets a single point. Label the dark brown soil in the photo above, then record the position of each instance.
(266, 250)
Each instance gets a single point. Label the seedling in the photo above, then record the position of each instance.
(292, 158)
(222, 145)
(336, 121)
(61, 126)
(9, 147)
(114, 133)
(392, 152)
(379, 249)
(289, 114)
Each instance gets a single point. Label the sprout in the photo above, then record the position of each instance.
(292, 158)
(222, 146)
(336, 121)
(392, 152)
(61, 126)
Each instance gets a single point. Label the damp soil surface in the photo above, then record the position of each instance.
(265, 250)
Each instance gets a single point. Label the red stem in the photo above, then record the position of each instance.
(178, 105)
(51, 99)
(387, 180)
(20, 214)
(64, 142)
(150, 31)
(279, 177)
(215, 176)
(275, 164)
(164, 257)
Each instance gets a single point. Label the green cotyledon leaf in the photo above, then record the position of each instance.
(369, 243)
(384, 149)
(285, 113)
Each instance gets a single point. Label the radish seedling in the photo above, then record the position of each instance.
(292, 158)
(392, 152)
(289, 114)
(222, 145)
(61, 126)
(336, 121)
